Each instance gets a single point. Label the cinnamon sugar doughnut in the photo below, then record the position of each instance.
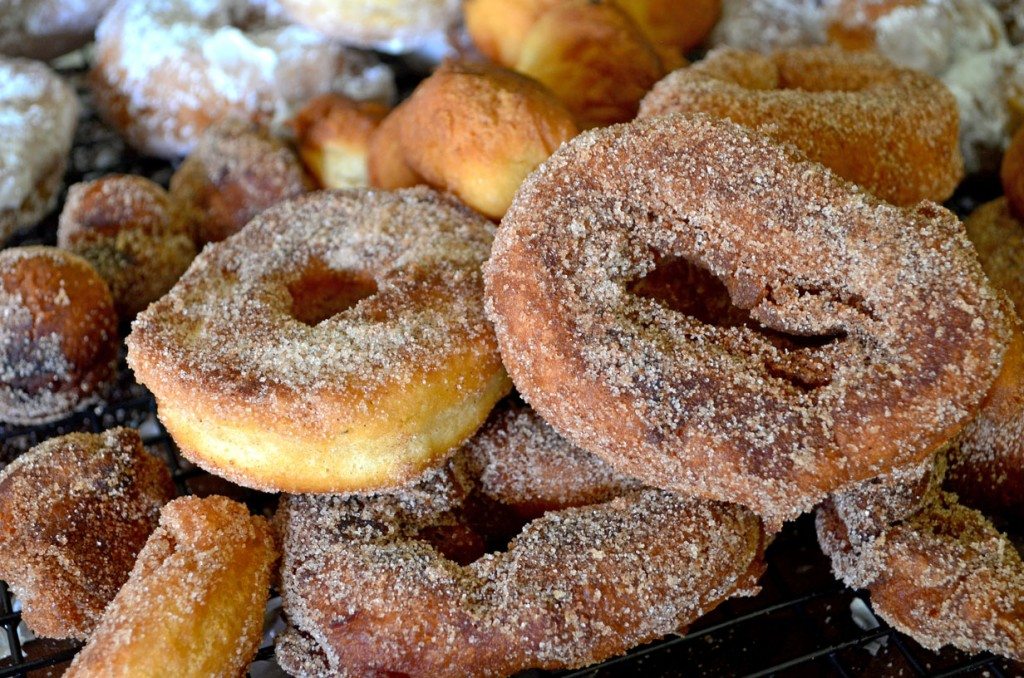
(166, 69)
(44, 29)
(336, 343)
(366, 593)
(333, 136)
(998, 237)
(132, 233)
(58, 334)
(871, 334)
(74, 513)
(38, 115)
(193, 605)
(237, 170)
(891, 130)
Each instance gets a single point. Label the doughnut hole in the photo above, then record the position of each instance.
(322, 293)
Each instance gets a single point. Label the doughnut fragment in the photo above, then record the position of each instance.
(366, 592)
(58, 334)
(38, 116)
(193, 604)
(74, 513)
(333, 136)
(891, 130)
(869, 334)
(237, 170)
(133, 234)
(336, 343)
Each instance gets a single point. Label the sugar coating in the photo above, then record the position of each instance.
(74, 512)
(910, 333)
(38, 114)
(764, 25)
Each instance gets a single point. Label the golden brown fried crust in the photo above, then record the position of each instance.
(58, 338)
(193, 605)
(872, 334)
(237, 170)
(498, 27)
(478, 131)
(998, 237)
(365, 593)
(74, 513)
(1011, 173)
(132, 233)
(385, 163)
(894, 131)
(679, 24)
(944, 576)
(594, 58)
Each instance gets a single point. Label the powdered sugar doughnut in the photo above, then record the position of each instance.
(166, 69)
(38, 115)
(764, 25)
(43, 29)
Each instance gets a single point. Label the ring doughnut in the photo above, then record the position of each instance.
(871, 333)
(166, 69)
(38, 116)
(367, 593)
(74, 513)
(889, 129)
(336, 343)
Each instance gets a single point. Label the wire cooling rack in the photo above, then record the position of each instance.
(803, 623)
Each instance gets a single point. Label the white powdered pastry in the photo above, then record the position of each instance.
(1012, 14)
(38, 114)
(764, 25)
(43, 29)
(166, 69)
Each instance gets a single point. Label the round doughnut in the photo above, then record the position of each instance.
(132, 233)
(44, 29)
(385, 161)
(336, 343)
(478, 131)
(38, 115)
(193, 605)
(891, 130)
(74, 513)
(871, 332)
(166, 69)
(366, 592)
(58, 334)
(333, 137)
(998, 237)
(393, 26)
(237, 170)
(944, 576)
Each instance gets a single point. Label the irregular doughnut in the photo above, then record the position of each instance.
(871, 334)
(891, 130)
(998, 237)
(477, 131)
(166, 69)
(58, 334)
(394, 26)
(945, 576)
(44, 29)
(38, 115)
(338, 342)
(366, 593)
(74, 513)
(132, 233)
(237, 170)
(193, 605)
(333, 136)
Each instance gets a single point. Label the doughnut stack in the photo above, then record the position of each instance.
(540, 358)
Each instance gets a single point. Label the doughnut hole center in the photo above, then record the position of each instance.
(322, 293)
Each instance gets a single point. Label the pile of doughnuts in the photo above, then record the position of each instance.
(574, 330)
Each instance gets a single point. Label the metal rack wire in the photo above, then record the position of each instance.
(803, 623)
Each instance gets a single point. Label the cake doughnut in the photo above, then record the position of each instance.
(333, 137)
(132, 233)
(58, 334)
(998, 237)
(478, 130)
(891, 130)
(367, 593)
(166, 69)
(193, 604)
(44, 29)
(336, 343)
(38, 116)
(237, 170)
(74, 513)
(871, 333)
(393, 26)
(385, 161)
